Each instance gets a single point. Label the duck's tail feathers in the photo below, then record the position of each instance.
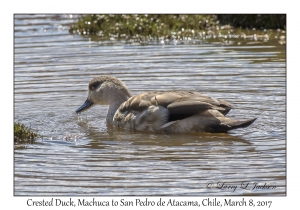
(240, 123)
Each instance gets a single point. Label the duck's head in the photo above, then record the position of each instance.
(104, 90)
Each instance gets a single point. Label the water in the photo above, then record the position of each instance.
(82, 156)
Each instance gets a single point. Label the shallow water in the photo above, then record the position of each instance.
(80, 155)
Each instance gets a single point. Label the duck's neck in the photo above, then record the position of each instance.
(113, 107)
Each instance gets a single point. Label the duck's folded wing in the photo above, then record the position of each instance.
(224, 106)
(138, 103)
(188, 107)
(184, 102)
(177, 102)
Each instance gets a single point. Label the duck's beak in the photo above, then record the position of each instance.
(87, 104)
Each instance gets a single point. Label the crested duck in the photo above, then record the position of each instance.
(160, 111)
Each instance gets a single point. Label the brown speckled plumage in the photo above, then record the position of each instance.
(161, 111)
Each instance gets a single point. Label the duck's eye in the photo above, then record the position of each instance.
(94, 85)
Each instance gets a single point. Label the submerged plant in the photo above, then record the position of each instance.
(23, 133)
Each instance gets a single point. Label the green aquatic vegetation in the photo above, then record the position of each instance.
(143, 25)
(23, 133)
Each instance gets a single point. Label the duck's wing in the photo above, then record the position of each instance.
(224, 106)
(188, 107)
(187, 103)
(138, 102)
(177, 102)
(176, 112)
